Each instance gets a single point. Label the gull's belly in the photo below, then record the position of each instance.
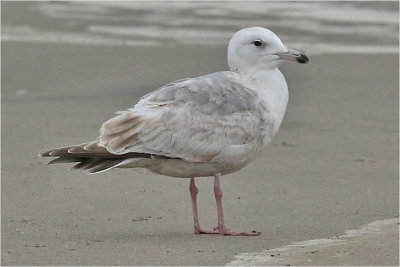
(185, 169)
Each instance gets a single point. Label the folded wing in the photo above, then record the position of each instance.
(192, 119)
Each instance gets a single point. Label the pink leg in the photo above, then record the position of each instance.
(221, 225)
(193, 194)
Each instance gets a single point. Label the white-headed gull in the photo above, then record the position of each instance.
(206, 126)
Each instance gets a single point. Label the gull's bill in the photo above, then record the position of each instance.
(293, 55)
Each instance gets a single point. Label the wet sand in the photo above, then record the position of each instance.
(332, 166)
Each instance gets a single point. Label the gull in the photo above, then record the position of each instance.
(210, 125)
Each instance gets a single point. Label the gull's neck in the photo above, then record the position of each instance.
(273, 89)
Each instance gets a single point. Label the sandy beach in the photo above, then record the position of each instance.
(332, 167)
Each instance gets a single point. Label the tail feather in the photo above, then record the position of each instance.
(97, 165)
(64, 160)
(104, 166)
(85, 163)
(91, 157)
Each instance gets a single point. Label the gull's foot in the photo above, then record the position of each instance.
(200, 230)
(224, 231)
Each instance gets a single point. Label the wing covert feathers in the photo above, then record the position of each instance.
(195, 120)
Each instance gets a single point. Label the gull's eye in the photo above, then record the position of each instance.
(258, 43)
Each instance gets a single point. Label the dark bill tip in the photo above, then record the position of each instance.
(303, 59)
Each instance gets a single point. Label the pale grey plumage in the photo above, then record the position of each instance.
(192, 119)
(213, 119)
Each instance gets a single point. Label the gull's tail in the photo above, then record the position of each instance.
(91, 157)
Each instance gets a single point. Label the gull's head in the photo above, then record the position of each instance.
(256, 48)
